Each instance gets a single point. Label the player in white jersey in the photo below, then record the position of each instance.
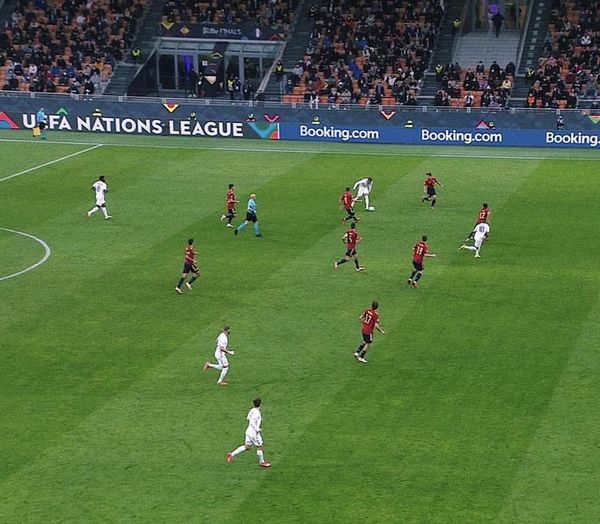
(221, 355)
(253, 436)
(481, 232)
(363, 188)
(100, 189)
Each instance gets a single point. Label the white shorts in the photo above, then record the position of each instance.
(100, 201)
(362, 191)
(478, 241)
(221, 358)
(253, 439)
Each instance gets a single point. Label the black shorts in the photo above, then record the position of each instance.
(351, 252)
(231, 211)
(42, 126)
(251, 217)
(190, 268)
(418, 265)
(430, 190)
(367, 339)
(350, 212)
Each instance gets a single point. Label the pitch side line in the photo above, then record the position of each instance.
(310, 151)
(47, 253)
(51, 161)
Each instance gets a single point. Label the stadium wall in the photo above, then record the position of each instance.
(415, 126)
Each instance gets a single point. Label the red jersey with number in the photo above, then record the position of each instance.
(189, 255)
(347, 199)
(484, 213)
(230, 199)
(370, 318)
(419, 251)
(431, 181)
(351, 238)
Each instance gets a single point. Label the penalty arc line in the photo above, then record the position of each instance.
(35, 168)
(47, 253)
(47, 250)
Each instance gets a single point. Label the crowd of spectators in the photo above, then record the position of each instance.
(362, 52)
(474, 87)
(66, 46)
(569, 69)
(276, 14)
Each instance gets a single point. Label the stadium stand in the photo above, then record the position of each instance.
(66, 46)
(276, 14)
(362, 52)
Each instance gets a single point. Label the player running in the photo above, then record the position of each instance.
(100, 189)
(253, 436)
(370, 323)
(230, 205)
(429, 187)
(483, 216)
(221, 355)
(250, 217)
(347, 201)
(189, 266)
(351, 238)
(420, 251)
(363, 188)
(480, 233)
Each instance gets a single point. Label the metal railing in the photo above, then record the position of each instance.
(524, 35)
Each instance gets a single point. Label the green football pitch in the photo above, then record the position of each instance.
(479, 404)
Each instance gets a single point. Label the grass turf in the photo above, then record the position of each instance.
(477, 405)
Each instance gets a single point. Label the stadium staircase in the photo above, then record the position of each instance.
(484, 46)
(6, 10)
(533, 46)
(145, 40)
(294, 48)
(444, 48)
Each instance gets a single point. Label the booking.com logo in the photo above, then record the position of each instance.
(572, 138)
(464, 137)
(339, 133)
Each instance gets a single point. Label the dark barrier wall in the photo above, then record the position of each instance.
(418, 126)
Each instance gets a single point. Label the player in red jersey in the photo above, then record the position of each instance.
(231, 201)
(351, 238)
(430, 183)
(483, 216)
(420, 251)
(189, 266)
(347, 201)
(370, 323)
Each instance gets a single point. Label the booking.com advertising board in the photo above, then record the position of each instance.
(189, 118)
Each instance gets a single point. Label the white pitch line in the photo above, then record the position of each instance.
(47, 253)
(62, 158)
(321, 151)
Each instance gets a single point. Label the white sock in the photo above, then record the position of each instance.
(261, 455)
(471, 248)
(223, 374)
(367, 201)
(239, 450)
(215, 366)
(104, 212)
(93, 210)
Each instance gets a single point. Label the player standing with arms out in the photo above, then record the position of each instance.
(100, 189)
(221, 355)
(351, 238)
(370, 323)
(480, 233)
(347, 201)
(429, 186)
(250, 217)
(253, 436)
(230, 203)
(420, 251)
(189, 266)
(363, 187)
(483, 216)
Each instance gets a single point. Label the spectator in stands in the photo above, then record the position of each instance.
(248, 89)
(279, 70)
(469, 99)
(498, 19)
(480, 68)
